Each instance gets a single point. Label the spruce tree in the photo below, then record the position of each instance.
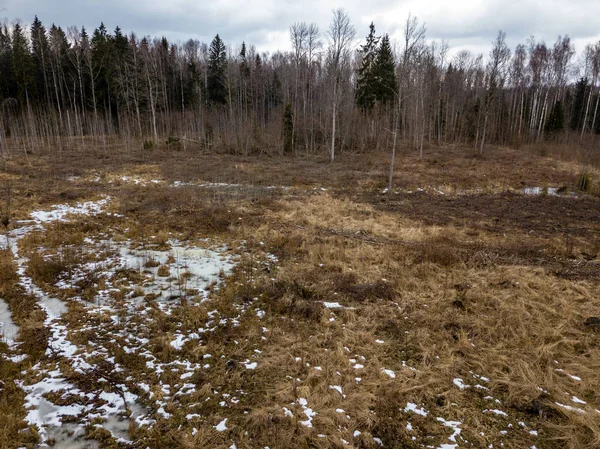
(101, 63)
(578, 111)
(23, 68)
(275, 91)
(556, 119)
(384, 73)
(288, 129)
(244, 66)
(365, 83)
(40, 53)
(6, 67)
(217, 63)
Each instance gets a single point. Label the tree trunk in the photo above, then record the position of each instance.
(333, 121)
(485, 120)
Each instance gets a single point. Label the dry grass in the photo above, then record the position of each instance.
(433, 288)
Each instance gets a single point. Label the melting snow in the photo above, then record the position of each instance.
(307, 411)
(460, 384)
(577, 378)
(222, 426)
(412, 407)
(337, 388)
(333, 305)
(249, 365)
(454, 425)
(389, 372)
(202, 267)
(496, 412)
(8, 329)
(571, 409)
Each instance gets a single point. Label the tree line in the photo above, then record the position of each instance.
(66, 87)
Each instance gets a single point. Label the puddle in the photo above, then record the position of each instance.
(8, 329)
(550, 191)
(540, 190)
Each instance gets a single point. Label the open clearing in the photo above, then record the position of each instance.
(174, 300)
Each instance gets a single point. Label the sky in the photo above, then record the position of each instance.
(463, 24)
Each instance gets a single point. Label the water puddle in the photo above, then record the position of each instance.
(550, 191)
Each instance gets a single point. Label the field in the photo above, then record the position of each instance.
(170, 299)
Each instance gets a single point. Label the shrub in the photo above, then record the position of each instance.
(46, 271)
(584, 183)
(163, 271)
(151, 263)
(173, 142)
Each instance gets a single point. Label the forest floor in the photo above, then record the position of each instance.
(168, 299)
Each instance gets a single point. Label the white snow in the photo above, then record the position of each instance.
(496, 412)
(389, 372)
(337, 388)
(249, 365)
(222, 426)
(178, 342)
(571, 409)
(576, 378)
(460, 383)
(412, 407)
(454, 425)
(8, 328)
(61, 211)
(333, 305)
(307, 411)
(203, 268)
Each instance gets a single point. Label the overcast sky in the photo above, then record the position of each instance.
(470, 24)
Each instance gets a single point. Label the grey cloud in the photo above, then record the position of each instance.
(473, 24)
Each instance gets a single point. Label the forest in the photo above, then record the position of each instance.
(333, 92)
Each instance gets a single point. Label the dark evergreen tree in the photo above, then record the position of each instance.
(244, 66)
(120, 45)
(40, 53)
(288, 129)
(23, 68)
(257, 62)
(384, 73)
(578, 109)
(217, 64)
(275, 95)
(556, 119)
(193, 84)
(6, 65)
(101, 63)
(365, 83)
